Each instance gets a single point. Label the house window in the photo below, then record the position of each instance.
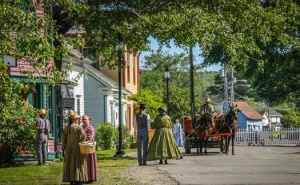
(86, 52)
(128, 67)
(78, 105)
(35, 95)
(134, 70)
(129, 117)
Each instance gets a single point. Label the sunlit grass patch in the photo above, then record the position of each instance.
(111, 170)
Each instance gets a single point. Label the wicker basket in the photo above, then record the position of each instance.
(87, 147)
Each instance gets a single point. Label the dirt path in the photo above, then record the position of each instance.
(150, 174)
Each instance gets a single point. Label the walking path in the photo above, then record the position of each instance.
(150, 174)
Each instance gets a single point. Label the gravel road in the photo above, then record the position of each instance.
(250, 165)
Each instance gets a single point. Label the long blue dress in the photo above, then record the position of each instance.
(177, 130)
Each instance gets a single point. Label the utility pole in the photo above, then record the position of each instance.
(225, 89)
(192, 83)
(233, 80)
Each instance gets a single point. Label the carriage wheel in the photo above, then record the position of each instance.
(187, 146)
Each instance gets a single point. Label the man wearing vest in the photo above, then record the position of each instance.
(42, 126)
(141, 123)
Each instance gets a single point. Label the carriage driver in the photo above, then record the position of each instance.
(207, 108)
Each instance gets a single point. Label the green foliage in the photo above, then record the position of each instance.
(126, 140)
(16, 118)
(153, 101)
(106, 136)
(152, 79)
(290, 118)
(257, 37)
(22, 39)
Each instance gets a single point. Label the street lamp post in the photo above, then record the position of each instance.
(167, 77)
(119, 49)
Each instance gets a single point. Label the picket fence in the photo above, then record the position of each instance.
(267, 137)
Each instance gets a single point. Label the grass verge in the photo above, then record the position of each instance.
(111, 170)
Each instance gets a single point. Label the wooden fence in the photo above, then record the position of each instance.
(286, 136)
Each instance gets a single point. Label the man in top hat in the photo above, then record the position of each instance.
(207, 108)
(42, 126)
(142, 125)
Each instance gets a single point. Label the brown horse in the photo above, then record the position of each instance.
(202, 125)
(228, 124)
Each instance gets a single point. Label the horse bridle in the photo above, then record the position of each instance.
(227, 121)
(233, 117)
(197, 127)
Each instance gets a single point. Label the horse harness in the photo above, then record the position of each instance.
(227, 122)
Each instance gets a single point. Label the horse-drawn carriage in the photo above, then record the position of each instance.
(211, 131)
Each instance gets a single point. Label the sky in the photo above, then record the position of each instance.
(174, 49)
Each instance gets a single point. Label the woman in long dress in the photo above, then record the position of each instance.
(177, 131)
(163, 145)
(74, 168)
(91, 158)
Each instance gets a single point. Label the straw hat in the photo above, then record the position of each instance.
(162, 109)
(42, 111)
(207, 100)
(73, 115)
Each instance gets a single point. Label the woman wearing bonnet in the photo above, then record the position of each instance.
(163, 145)
(74, 168)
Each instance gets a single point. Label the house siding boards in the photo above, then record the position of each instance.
(78, 90)
(94, 105)
(242, 121)
(102, 93)
(248, 117)
(274, 116)
(132, 85)
(111, 73)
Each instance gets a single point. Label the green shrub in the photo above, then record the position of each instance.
(106, 136)
(126, 141)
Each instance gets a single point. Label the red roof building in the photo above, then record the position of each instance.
(248, 117)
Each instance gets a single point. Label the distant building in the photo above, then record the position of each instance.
(248, 117)
(274, 118)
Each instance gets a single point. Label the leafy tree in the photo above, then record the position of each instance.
(257, 37)
(16, 119)
(290, 118)
(21, 37)
(152, 77)
(27, 37)
(266, 53)
(152, 101)
(252, 36)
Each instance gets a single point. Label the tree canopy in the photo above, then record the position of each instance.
(154, 83)
(258, 37)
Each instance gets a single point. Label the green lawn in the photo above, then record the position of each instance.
(111, 170)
